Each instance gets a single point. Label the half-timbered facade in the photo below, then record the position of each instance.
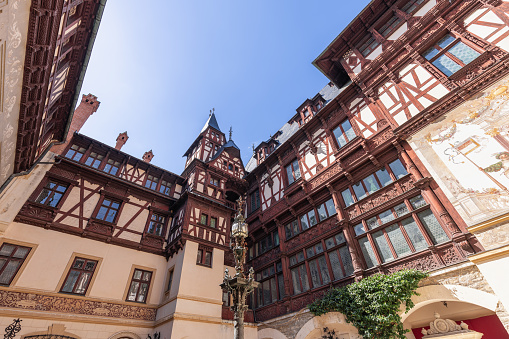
(400, 161)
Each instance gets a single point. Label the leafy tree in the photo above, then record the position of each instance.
(372, 304)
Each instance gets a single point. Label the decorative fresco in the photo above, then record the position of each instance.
(467, 152)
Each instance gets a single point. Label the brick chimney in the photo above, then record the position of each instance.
(121, 140)
(86, 108)
(148, 156)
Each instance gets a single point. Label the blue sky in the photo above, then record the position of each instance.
(159, 68)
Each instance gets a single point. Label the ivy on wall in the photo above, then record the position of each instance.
(372, 304)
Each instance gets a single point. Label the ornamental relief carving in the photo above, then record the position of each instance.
(47, 303)
(37, 211)
(425, 263)
(494, 237)
(469, 277)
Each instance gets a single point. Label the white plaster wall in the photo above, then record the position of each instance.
(497, 278)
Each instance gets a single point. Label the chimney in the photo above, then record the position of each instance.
(121, 140)
(148, 156)
(85, 109)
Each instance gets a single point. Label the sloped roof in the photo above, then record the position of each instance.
(329, 92)
(230, 143)
(212, 122)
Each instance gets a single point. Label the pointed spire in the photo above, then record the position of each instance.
(211, 121)
(231, 131)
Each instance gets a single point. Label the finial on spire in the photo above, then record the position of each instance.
(253, 147)
(231, 131)
(211, 112)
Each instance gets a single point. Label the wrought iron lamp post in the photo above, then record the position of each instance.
(240, 285)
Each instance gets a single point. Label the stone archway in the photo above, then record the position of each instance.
(125, 335)
(454, 302)
(313, 329)
(270, 333)
(54, 331)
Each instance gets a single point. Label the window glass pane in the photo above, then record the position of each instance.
(295, 226)
(347, 197)
(359, 229)
(446, 65)
(21, 252)
(304, 277)
(382, 246)
(208, 258)
(371, 184)
(435, 230)
(346, 259)
(340, 137)
(349, 132)
(340, 238)
(288, 231)
(7, 249)
(430, 53)
(359, 191)
(81, 285)
(318, 248)
(312, 218)
(266, 292)
(289, 174)
(417, 201)
(71, 280)
(310, 252)
(398, 169)
(293, 260)
(372, 223)
(386, 216)
(9, 271)
(398, 240)
(142, 293)
(273, 289)
(445, 41)
(336, 266)
(401, 209)
(322, 215)
(329, 243)
(300, 257)
(367, 251)
(281, 286)
(415, 234)
(331, 208)
(296, 169)
(296, 281)
(324, 270)
(304, 222)
(384, 177)
(463, 52)
(313, 269)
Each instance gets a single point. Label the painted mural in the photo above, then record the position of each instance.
(467, 152)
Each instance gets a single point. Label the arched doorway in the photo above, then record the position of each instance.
(317, 327)
(475, 308)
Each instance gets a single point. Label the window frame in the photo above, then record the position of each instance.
(96, 157)
(23, 261)
(43, 186)
(444, 51)
(164, 223)
(276, 275)
(69, 268)
(202, 255)
(343, 133)
(152, 181)
(100, 204)
(76, 151)
(112, 166)
(292, 166)
(165, 187)
(141, 281)
(255, 204)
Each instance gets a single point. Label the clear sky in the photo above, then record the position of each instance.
(159, 66)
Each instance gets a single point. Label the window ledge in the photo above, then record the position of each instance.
(464, 74)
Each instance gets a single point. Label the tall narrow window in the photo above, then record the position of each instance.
(293, 171)
(450, 55)
(170, 280)
(204, 219)
(156, 224)
(255, 200)
(108, 210)
(344, 133)
(11, 259)
(398, 169)
(79, 276)
(140, 283)
(369, 46)
(390, 26)
(94, 160)
(204, 256)
(75, 152)
(51, 194)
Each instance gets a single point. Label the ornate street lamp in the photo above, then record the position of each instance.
(240, 285)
